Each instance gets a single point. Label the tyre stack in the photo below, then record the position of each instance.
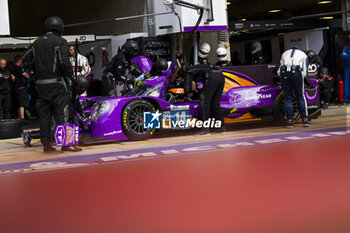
(11, 128)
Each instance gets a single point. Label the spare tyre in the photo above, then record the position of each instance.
(10, 128)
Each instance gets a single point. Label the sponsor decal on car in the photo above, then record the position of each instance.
(112, 133)
(259, 96)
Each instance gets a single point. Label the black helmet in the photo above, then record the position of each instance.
(131, 48)
(312, 56)
(54, 24)
(161, 64)
(324, 70)
(82, 84)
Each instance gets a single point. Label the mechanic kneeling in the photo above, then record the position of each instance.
(213, 84)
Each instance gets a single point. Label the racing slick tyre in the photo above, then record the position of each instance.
(11, 128)
(132, 119)
(279, 110)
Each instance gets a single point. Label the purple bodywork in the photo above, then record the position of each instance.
(106, 118)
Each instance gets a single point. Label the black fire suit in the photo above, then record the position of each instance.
(258, 58)
(116, 72)
(50, 58)
(203, 61)
(223, 63)
(213, 84)
(5, 100)
(326, 86)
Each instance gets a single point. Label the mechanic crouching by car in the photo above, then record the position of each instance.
(326, 83)
(209, 101)
(117, 68)
(293, 69)
(50, 58)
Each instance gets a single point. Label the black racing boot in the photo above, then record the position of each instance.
(26, 138)
(289, 124)
(306, 122)
(48, 148)
(71, 148)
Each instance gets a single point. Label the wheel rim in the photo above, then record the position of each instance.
(135, 119)
(282, 110)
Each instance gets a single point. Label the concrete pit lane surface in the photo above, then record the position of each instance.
(257, 177)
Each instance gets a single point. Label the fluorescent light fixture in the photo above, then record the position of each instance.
(274, 11)
(327, 17)
(228, 3)
(324, 2)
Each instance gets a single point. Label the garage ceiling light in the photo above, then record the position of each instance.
(324, 2)
(327, 17)
(274, 11)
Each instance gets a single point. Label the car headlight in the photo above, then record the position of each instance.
(99, 109)
(104, 107)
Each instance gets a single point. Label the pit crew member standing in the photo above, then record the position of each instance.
(257, 55)
(19, 85)
(50, 56)
(117, 68)
(83, 63)
(221, 54)
(213, 84)
(203, 53)
(293, 69)
(5, 99)
(345, 55)
(81, 85)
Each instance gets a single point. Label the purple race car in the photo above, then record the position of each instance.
(243, 99)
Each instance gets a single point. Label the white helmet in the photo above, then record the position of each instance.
(204, 50)
(221, 54)
(255, 47)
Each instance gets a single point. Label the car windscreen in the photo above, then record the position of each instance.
(145, 91)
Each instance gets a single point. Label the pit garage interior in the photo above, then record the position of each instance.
(257, 177)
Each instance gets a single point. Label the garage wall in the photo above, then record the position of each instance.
(27, 16)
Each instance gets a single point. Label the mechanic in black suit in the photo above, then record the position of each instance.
(50, 59)
(213, 84)
(117, 68)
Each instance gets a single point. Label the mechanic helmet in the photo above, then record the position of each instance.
(131, 48)
(255, 47)
(204, 50)
(54, 24)
(324, 70)
(312, 56)
(221, 54)
(82, 84)
(160, 65)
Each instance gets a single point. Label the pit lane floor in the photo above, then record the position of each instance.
(255, 178)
